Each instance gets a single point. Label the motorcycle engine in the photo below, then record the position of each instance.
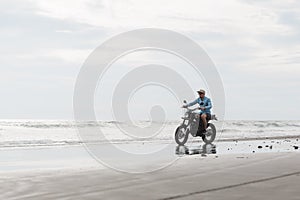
(194, 127)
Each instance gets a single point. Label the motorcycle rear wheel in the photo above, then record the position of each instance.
(210, 134)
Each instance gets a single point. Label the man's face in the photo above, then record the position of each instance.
(201, 95)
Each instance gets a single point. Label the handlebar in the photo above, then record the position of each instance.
(193, 109)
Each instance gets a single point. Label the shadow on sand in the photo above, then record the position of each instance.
(202, 149)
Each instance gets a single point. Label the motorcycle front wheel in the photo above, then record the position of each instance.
(181, 135)
(210, 134)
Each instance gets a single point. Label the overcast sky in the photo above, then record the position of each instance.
(255, 45)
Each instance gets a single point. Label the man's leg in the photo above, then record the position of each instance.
(203, 118)
(200, 126)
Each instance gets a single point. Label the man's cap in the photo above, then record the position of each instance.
(201, 91)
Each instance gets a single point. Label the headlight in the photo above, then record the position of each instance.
(186, 114)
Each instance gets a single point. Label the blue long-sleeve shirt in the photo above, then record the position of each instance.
(206, 103)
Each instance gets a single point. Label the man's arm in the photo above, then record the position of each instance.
(192, 103)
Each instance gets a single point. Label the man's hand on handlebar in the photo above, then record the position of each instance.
(184, 106)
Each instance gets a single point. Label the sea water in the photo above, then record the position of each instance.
(37, 133)
(57, 144)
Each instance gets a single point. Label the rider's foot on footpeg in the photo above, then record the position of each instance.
(201, 133)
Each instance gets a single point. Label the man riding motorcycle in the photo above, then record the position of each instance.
(204, 114)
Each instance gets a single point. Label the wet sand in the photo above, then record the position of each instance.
(207, 175)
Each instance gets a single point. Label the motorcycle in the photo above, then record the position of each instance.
(190, 125)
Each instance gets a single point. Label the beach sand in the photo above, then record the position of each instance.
(271, 175)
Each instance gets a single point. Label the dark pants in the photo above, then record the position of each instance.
(201, 125)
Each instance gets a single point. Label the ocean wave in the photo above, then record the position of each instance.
(239, 124)
(80, 124)
(292, 124)
(228, 130)
(259, 125)
(262, 124)
(228, 126)
(46, 126)
(274, 124)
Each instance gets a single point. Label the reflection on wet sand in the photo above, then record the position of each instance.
(202, 149)
(241, 147)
